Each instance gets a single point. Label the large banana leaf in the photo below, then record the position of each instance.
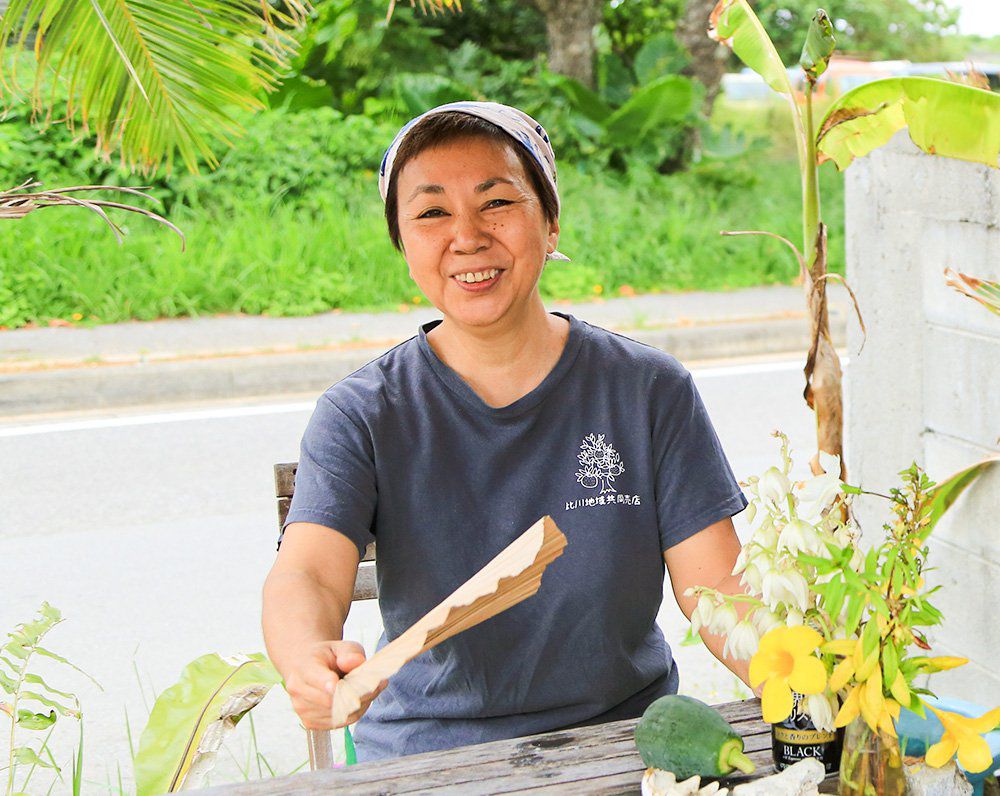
(153, 78)
(191, 718)
(733, 23)
(665, 101)
(943, 118)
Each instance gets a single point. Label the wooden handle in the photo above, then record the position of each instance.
(514, 575)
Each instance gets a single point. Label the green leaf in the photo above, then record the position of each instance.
(8, 684)
(824, 566)
(582, 99)
(948, 491)
(73, 713)
(26, 756)
(662, 103)
(869, 638)
(855, 607)
(890, 663)
(733, 23)
(871, 564)
(190, 719)
(819, 45)
(30, 720)
(833, 601)
(660, 55)
(35, 679)
(70, 664)
(692, 639)
(943, 118)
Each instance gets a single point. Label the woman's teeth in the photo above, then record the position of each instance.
(481, 276)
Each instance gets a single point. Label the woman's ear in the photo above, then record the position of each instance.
(552, 239)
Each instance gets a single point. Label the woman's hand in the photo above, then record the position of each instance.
(313, 679)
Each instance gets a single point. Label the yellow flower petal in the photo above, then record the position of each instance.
(885, 722)
(760, 669)
(941, 752)
(842, 672)
(945, 662)
(808, 676)
(900, 690)
(776, 701)
(799, 639)
(986, 722)
(840, 646)
(974, 754)
(850, 710)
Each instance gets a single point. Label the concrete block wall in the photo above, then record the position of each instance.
(926, 385)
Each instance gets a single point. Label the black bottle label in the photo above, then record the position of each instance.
(797, 737)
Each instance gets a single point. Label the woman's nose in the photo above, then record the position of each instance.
(469, 234)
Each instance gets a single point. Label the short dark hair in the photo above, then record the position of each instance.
(443, 128)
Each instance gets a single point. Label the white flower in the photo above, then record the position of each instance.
(751, 512)
(701, 616)
(819, 493)
(764, 619)
(767, 535)
(752, 578)
(774, 487)
(821, 710)
(741, 642)
(724, 619)
(794, 617)
(798, 537)
(785, 586)
(741, 559)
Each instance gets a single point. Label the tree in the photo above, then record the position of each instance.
(570, 27)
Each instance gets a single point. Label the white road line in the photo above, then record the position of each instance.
(161, 417)
(29, 429)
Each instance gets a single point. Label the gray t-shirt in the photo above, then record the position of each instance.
(615, 444)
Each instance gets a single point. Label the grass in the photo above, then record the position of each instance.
(639, 232)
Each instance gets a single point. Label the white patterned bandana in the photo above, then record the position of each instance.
(517, 124)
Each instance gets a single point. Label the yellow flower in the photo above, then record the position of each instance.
(965, 736)
(783, 661)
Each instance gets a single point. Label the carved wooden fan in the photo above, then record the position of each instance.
(514, 575)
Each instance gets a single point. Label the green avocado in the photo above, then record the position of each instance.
(687, 737)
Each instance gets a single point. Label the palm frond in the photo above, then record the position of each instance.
(433, 6)
(154, 79)
(19, 201)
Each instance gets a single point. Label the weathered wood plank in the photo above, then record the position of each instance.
(579, 756)
(284, 478)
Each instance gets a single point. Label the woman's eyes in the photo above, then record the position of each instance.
(437, 213)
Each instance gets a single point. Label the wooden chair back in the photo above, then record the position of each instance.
(365, 586)
(320, 742)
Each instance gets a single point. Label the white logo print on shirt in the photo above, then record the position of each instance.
(600, 466)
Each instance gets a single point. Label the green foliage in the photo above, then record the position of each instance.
(191, 718)
(34, 705)
(247, 252)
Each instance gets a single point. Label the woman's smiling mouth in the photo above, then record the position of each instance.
(477, 281)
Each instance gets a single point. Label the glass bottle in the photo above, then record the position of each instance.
(797, 737)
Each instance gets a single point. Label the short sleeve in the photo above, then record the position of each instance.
(335, 479)
(695, 486)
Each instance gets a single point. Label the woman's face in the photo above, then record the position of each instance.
(473, 231)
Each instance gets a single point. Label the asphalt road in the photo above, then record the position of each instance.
(152, 532)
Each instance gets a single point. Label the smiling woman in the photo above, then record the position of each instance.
(448, 446)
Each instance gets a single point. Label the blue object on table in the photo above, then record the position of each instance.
(916, 734)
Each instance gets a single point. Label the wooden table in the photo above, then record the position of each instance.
(601, 759)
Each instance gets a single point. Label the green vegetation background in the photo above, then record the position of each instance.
(291, 223)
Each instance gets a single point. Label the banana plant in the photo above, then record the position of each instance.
(943, 118)
(190, 720)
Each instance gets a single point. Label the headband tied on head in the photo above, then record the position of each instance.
(517, 124)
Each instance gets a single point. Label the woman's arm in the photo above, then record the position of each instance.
(707, 559)
(307, 596)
